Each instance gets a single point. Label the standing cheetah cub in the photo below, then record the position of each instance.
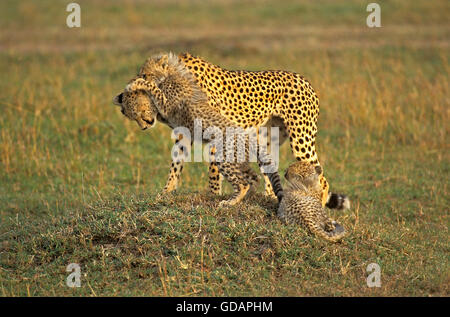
(301, 203)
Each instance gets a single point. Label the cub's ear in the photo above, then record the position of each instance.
(318, 169)
(118, 99)
(164, 61)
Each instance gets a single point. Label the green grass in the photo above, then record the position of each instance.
(80, 184)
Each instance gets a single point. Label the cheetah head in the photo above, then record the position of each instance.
(306, 174)
(136, 105)
(155, 68)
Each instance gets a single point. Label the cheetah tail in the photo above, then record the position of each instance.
(338, 201)
(334, 236)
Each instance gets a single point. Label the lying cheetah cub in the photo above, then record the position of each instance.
(301, 203)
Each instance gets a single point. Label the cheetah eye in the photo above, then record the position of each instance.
(318, 169)
(144, 76)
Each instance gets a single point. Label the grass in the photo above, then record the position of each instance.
(80, 184)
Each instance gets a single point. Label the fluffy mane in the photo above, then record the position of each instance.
(179, 72)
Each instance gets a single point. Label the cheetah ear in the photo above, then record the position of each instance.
(318, 169)
(164, 61)
(118, 99)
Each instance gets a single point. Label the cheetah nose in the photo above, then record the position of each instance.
(144, 128)
(151, 121)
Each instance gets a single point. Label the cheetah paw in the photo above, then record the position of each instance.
(227, 203)
(136, 85)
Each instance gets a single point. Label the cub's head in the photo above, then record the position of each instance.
(155, 68)
(136, 105)
(304, 174)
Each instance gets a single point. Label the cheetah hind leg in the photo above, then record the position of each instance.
(240, 191)
(215, 179)
(241, 178)
(252, 178)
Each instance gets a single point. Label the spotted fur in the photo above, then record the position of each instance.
(301, 202)
(253, 99)
(179, 101)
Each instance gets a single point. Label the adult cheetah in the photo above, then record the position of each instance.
(179, 102)
(250, 99)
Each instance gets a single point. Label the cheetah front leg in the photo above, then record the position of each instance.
(174, 177)
(215, 179)
(214, 176)
(173, 180)
(176, 167)
(175, 171)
